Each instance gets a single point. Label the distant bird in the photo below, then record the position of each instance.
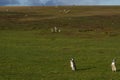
(113, 65)
(59, 30)
(55, 29)
(72, 64)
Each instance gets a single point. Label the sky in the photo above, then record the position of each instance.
(57, 2)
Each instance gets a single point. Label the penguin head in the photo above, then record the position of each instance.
(72, 59)
(114, 60)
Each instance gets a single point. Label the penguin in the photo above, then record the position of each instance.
(113, 66)
(72, 64)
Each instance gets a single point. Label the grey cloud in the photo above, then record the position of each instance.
(57, 2)
(51, 2)
(7, 2)
(35, 2)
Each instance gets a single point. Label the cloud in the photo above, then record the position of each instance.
(58, 2)
(81, 2)
(34, 2)
(51, 2)
(8, 2)
(88, 2)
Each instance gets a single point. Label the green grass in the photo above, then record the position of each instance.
(29, 51)
(27, 56)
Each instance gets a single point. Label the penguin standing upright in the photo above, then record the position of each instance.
(113, 65)
(72, 64)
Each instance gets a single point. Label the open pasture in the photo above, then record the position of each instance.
(30, 51)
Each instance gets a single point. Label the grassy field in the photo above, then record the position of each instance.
(29, 51)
